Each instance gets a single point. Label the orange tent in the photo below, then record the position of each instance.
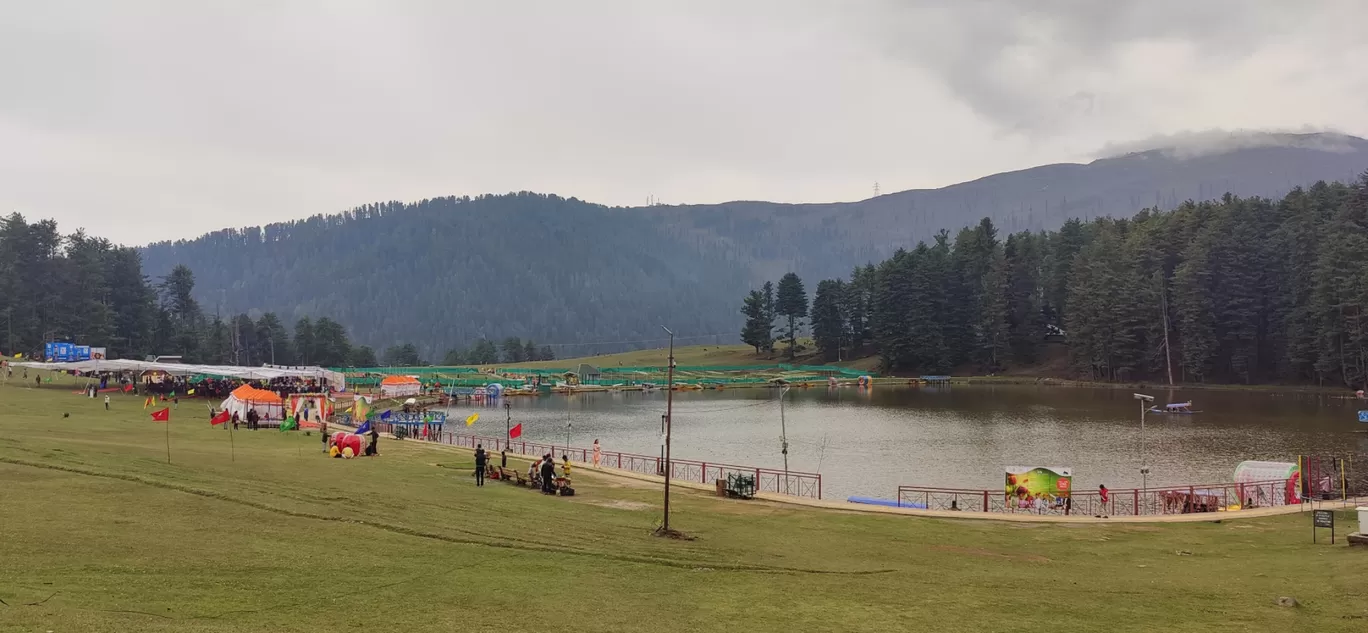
(395, 386)
(245, 398)
(248, 393)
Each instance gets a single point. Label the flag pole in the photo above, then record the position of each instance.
(232, 451)
(168, 438)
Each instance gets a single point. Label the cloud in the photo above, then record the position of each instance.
(1192, 144)
(146, 120)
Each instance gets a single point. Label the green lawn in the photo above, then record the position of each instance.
(99, 533)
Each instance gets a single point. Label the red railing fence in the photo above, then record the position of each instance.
(1134, 501)
(795, 483)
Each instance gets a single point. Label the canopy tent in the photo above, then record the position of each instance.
(400, 386)
(266, 372)
(318, 406)
(246, 398)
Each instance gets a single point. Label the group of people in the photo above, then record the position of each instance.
(541, 473)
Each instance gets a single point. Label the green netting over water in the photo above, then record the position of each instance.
(405, 371)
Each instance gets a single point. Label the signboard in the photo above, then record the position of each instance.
(50, 352)
(63, 352)
(1363, 417)
(1323, 519)
(97, 353)
(1025, 484)
(81, 352)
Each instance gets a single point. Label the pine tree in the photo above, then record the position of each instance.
(512, 350)
(363, 356)
(453, 358)
(791, 303)
(758, 331)
(305, 345)
(828, 322)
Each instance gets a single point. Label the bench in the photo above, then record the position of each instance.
(512, 474)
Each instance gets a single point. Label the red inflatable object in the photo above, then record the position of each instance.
(343, 440)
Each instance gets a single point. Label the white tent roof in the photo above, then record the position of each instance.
(265, 372)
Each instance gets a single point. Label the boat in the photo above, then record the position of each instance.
(1176, 408)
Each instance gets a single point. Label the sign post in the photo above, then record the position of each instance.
(1323, 519)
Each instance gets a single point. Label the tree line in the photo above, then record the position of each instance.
(1239, 290)
(88, 291)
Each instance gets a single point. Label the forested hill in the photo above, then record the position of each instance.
(825, 240)
(443, 273)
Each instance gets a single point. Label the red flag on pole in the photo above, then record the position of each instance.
(515, 432)
(161, 416)
(222, 417)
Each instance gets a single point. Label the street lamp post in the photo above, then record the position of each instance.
(669, 419)
(1144, 466)
(783, 435)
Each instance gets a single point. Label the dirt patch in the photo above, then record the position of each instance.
(974, 551)
(622, 504)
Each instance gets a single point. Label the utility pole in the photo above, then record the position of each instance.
(1144, 468)
(1163, 305)
(669, 415)
(508, 422)
(783, 435)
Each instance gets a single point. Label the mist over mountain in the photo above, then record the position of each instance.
(445, 272)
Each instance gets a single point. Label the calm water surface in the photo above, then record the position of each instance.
(869, 442)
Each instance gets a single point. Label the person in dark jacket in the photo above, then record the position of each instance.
(548, 474)
(374, 448)
(481, 458)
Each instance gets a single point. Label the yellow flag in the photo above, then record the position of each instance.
(470, 421)
(19, 355)
(190, 393)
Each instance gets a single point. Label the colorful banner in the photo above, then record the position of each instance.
(1049, 483)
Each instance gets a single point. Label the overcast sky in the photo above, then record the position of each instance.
(143, 121)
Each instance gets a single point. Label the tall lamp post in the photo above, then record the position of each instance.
(783, 435)
(1144, 466)
(669, 418)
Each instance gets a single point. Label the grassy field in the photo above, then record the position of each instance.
(99, 533)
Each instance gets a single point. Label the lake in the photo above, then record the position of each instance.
(869, 442)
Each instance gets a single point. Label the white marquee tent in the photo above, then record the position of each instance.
(266, 372)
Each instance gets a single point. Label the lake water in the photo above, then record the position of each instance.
(869, 442)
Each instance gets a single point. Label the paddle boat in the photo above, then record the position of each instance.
(1176, 408)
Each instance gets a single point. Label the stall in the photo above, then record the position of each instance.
(309, 408)
(267, 404)
(400, 386)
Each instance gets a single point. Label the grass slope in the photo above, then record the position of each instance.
(99, 533)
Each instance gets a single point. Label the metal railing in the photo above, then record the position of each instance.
(796, 483)
(1133, 501)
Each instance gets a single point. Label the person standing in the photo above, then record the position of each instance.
(597, 455)
(565, 465)
(323, 429)
(1104, 495)
(374, 448)
(548, 474)
(503, 459)
(106, 402)
(480, 460)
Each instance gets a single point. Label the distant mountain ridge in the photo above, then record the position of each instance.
(445, 272)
